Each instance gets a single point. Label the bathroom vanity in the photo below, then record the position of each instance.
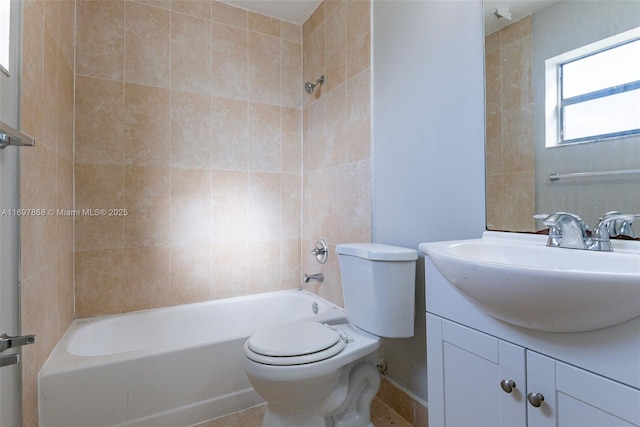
(488, 372)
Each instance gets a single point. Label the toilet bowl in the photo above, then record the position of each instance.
(306, 388)
(317, 375)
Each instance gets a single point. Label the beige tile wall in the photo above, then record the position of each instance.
(337, 135)
(46, 183)
(188, 115)
(510, 150)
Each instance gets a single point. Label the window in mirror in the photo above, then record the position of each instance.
(5, 16)
(593, 92)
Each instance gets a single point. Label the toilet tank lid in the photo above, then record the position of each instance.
(377, 252)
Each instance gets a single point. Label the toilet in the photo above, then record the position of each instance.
(317, 375)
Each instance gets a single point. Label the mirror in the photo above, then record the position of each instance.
(520, 36)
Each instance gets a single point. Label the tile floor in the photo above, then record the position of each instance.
(381, 416)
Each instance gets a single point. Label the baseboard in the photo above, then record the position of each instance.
(409, 407)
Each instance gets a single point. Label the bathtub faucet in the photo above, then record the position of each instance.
(318, 277)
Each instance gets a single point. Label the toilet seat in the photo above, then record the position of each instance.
(295, 343)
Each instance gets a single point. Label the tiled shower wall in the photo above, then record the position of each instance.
(189, 133)
(510, 150)
(46, 183)
(189, 115)
(337, 135)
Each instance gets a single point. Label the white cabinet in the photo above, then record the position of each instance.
(575, 397)
(465, 368)
(478, 380)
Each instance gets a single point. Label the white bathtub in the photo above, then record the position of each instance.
(175, 366)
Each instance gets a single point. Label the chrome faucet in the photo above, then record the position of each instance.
(612, 224)
(567, 230)
(318, 277)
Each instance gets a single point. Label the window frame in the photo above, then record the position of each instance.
(554, 103)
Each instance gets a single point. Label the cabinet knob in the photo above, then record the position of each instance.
(535, 399)
(507, 385)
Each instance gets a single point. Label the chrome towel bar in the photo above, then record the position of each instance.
(558, 176)
(10, 136)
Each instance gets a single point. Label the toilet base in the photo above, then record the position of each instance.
(302, 419)
(276, 418)
(348, 405)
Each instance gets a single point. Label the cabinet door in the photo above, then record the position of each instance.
(465, 371)
(574, 397)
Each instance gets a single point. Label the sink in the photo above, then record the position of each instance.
(519, 280)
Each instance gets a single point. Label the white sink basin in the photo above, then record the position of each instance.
(518, 279)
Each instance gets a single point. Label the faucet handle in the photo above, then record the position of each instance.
(618, 223)
(558, 217)
(321, 251)
(626, 229)
(612, 224)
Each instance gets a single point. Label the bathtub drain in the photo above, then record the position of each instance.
(314, 308)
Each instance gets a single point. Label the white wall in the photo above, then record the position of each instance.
(428, 141)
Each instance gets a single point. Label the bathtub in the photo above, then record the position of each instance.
(175, 366)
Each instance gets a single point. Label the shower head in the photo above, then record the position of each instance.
(308, 86)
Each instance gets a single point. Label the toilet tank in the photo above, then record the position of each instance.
(378, 284)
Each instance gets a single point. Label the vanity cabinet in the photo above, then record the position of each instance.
(476, 379)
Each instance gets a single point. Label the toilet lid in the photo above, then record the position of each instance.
(294, 339)
(295, 360)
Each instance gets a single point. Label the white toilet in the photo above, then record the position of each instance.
(316, 375)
